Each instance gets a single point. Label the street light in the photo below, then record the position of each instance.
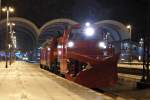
(129, 27)
(0, 8)
(7, 10)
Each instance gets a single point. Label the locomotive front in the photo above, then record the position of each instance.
(88, 58)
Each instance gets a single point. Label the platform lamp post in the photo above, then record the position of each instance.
(145, 81)
(11, 24)
(0, 8)
(129, 27)
(7, 10)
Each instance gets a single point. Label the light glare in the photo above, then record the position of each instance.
(89, 31)
(70, 44)
(59, 46)
(102, 45)
(11, 9)
(4, 9)
(48, 49)
(59, 53)
(128, 26)
(87, 24)
(140, 58)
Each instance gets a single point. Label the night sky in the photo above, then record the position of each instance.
(134, 12)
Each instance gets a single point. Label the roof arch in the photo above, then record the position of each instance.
(24, 29)
(23, 22)
(122, 33)
(59, 20)
(54, 28)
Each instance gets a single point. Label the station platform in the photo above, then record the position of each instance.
(26, 81)
(131, 65)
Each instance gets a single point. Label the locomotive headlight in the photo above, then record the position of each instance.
(59, 46)
(89, 31)
(102, 45)
(70, 44)
(48, 49)
(59, 52)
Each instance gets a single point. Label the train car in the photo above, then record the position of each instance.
(84, 60)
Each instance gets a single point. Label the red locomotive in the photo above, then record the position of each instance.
(80, 59)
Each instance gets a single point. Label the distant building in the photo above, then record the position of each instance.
(131, 51)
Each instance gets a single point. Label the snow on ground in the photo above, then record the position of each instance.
(26, 81)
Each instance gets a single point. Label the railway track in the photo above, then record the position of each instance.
(132, 63)
(132, 68)
(128, 76)
(125, 89)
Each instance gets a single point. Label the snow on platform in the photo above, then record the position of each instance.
(26, 81)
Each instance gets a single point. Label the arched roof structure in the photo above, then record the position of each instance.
(54, 27)
(117, 29)
(56, 21)
(26, 32)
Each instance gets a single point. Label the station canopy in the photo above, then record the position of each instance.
(26, 33)
(54, 28)
(117, 31)
(28, 36)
